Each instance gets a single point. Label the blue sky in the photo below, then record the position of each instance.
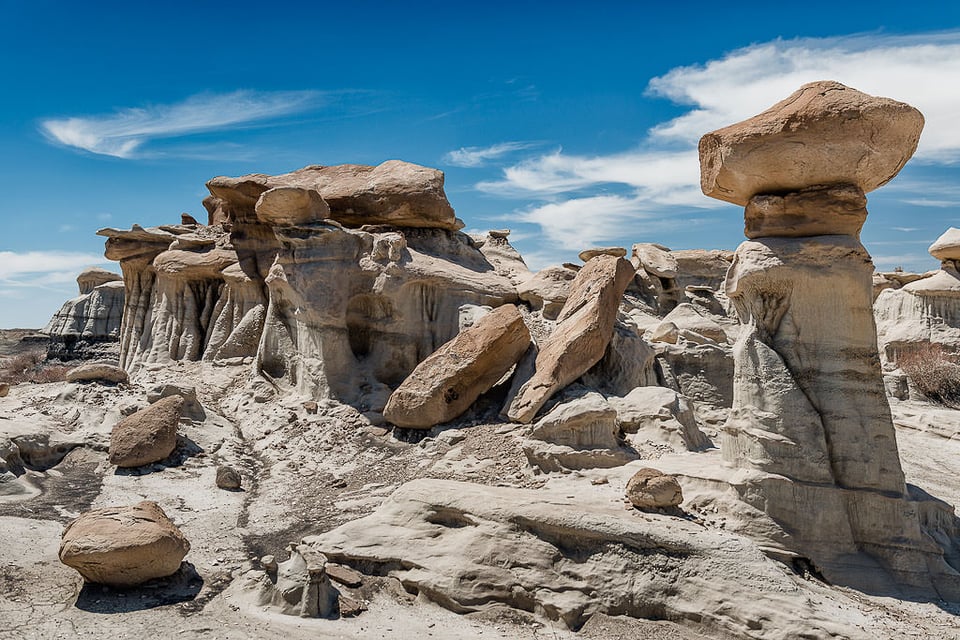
(573, 124)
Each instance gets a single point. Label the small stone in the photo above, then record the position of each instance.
(269, 564)
(311, 406)
(350, 607)
(4, 389)
(653, 489)
(228, 478)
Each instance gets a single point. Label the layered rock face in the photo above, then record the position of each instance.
(335, 281)
(88, 326)
(925, 310)
(809, 414)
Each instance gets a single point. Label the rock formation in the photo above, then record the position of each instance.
(97, 371)
(809, 415)
(88, 326)
(123, 546)
(925, 309)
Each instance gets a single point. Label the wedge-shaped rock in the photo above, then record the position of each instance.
(148, 435)
(823, 134)
(947, 246)
(445, 384)
(395, 193)
(123, 546)
(584, 329)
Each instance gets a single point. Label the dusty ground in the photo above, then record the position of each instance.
(303, 473)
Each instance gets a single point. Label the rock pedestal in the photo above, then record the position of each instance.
(810, 420)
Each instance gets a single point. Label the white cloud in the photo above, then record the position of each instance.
(124, 133)
(478, 156)
(923, 70)
(44, 268)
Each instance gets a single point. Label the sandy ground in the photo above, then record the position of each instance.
(303, 473)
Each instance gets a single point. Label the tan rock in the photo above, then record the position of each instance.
(653, 489)
(228, 478)
(445, 384)
(947, 246)
(584, 329)
(4, 389)
(97, 372)
(687, 317)
(823, 134)
(92, 277)
(547, 289)
(655, 259)
(291, 205)
(659, 414)
(616, 252)
(148, 435)
(123, 546)
(814, 211)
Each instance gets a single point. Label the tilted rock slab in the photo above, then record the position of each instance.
(123, 546)
(823, 134)
(149, 435)
(584, 328)
(450, 380)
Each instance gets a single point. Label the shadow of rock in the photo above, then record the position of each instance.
(182, 586)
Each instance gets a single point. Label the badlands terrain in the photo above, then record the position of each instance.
(326, 412)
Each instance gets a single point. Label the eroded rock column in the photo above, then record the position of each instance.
(810, 417)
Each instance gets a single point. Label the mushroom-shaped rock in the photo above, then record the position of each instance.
(653, 489)
(445, 384)
(823, 134)
(947, 246)
(148, 435)
(123, 546)
(97, 371)
(92, 277)
(584, 329)
(291, 205)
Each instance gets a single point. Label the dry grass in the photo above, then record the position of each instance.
(31, 367)
(934, 372)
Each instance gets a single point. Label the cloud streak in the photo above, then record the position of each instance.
(124, 133)
(43, 268)
(472, 157)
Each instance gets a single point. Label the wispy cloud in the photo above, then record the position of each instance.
(478, 156)
(43, 269)
(124, 133)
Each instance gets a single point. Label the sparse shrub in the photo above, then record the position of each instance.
(934, 372)
(31, 367)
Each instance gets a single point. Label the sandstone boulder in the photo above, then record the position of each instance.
(291, 206)
(584, 328)
(97, 372)
(655, 259)
(823, 134)
(947, 246)
(92, 277)
(653, 489)
(687, 317)
(4, 389)
(814, 211)
(149, 435)
(123, 546)
(445, 384)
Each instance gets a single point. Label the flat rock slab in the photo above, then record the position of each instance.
(825, 133)
(124, 546)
